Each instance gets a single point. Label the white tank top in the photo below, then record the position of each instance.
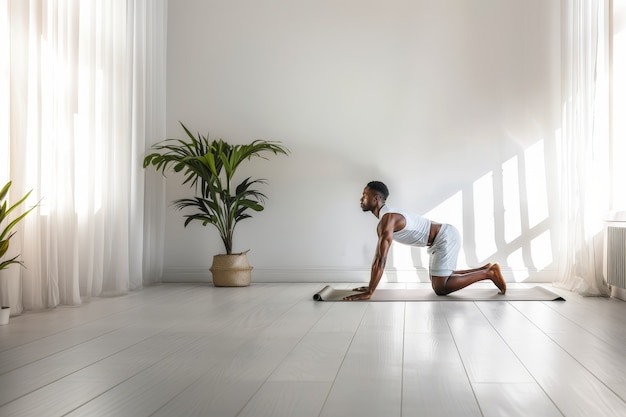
(416, 230)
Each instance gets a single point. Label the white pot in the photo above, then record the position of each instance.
(5, 313)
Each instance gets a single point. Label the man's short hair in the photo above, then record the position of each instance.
(379, 188)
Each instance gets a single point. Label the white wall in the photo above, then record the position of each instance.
(454, 104)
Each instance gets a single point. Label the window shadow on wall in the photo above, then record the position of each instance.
(507, 215)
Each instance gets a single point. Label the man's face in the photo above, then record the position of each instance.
(368, 199)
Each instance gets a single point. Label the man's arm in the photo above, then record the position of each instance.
(385, 231)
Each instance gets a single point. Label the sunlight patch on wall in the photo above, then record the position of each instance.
(484, 240)
(523, 197)
(449, 211)
(540, 248)
(518, 270)
(402, 262)
(511, 200)
(537, 194)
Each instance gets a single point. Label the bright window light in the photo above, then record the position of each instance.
(4, 96)
(619, 106)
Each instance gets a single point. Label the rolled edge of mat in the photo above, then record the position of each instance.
(555, 296)
(323, 293)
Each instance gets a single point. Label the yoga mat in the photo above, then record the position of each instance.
(328, 293)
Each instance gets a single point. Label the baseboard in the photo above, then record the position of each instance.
(184, 274)
(342, 275)
(618, 292)
(280, 275)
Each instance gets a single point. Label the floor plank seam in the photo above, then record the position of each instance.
(511, 304)
(465, 370)
(332, 385)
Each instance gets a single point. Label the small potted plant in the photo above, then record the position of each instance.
(5, 237)
(209, 166)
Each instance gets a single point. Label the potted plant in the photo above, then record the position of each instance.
(5, 237)
(209, 166)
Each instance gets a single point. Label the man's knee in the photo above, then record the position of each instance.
(441, 291)
(439, 286)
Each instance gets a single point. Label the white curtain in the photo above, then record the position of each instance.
(584, 146)
(86, 87)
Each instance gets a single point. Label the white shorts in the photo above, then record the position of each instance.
(444, 251)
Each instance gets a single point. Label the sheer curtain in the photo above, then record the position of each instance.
(86, 86)
(584, 146)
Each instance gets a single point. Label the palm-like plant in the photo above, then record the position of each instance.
(6, 233)
(210, 166)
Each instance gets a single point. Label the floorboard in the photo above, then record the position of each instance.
(270, 350)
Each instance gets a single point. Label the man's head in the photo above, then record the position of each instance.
(374, 196)
(379, 188)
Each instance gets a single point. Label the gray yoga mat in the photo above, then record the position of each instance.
(328, 293)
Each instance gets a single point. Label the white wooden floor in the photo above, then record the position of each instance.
(269, 350)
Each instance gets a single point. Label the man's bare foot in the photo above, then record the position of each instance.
(495, 275)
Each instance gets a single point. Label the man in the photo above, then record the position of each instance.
(443, 242)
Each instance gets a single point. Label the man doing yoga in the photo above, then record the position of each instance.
(443, 242)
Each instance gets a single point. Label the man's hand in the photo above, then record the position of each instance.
(362, 296)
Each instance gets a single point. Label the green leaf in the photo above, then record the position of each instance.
(14, 222)
(4, 245)
(6, 232)
(209, 166)
(4, 191)
(5, 264)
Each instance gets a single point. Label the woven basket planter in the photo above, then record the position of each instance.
(231, 270)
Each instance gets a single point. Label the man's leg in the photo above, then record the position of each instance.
(456, 281)
(467, 271)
